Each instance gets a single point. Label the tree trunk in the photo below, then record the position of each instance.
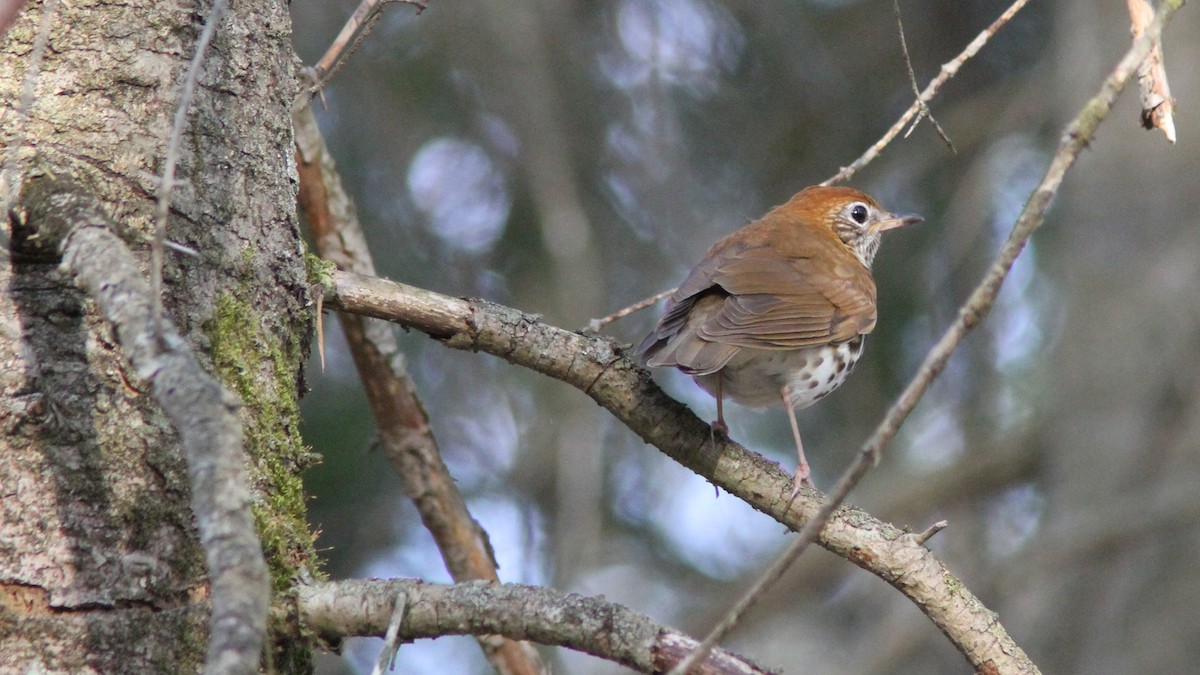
(100, 566)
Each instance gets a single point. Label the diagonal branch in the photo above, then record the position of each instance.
(1075, 137)
(404, 431)
(202, 412)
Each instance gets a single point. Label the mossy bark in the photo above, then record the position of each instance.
(100, 569)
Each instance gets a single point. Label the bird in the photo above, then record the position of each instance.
(777, 311)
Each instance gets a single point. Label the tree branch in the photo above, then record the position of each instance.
(404, 431)
(1075, 137)
(70, 218)
(1157, 104)
(365, 608)
(912, 81)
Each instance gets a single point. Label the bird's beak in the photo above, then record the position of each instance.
(894, 221)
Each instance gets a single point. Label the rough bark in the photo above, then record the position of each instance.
(100, 569)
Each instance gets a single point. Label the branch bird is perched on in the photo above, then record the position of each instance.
(777, 311)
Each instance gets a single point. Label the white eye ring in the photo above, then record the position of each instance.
(859, 213)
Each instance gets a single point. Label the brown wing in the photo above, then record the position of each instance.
(811, 295)
(675, 341)
(801, 291)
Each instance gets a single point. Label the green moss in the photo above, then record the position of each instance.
(263, 371)
(248, 258)
(319, 270)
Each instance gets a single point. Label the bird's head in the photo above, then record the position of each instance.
(852, 216)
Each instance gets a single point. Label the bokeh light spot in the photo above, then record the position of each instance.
(461, 192)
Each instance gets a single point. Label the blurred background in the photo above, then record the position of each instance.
(572, 157)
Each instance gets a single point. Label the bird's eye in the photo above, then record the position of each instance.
(859, 213)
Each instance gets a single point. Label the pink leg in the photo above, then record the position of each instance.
(802, 470)
(719, 425)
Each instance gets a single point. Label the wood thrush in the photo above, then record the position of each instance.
(777, 311)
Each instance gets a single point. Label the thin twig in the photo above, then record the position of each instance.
(1074, 139)
(949, 70)
(596, 324)
(1157, 105)
(180, 248)
(354, 31)
(10, 177)
(912, 80)
(391, 646)
(167, 182)
(933, 529)
(320, 312)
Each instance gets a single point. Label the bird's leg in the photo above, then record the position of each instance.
(719, 426)
(802, 470)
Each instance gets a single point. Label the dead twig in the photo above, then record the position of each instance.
(167, 183)
(354, 31)
(933, 529)
(391, 644)
(1158, 108)
(949, 70)
(912, 80)
(596, 324)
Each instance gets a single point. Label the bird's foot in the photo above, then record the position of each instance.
(718, 426)
(803, 477)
